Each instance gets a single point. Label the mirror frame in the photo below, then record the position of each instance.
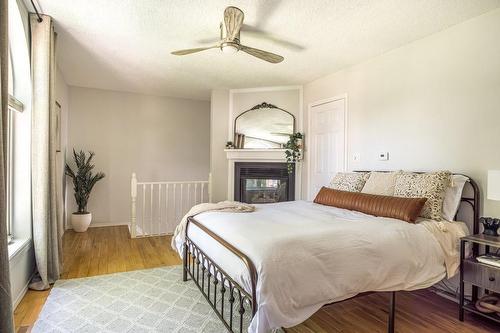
(263, 105)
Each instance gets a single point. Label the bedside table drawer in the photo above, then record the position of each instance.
(482, 275)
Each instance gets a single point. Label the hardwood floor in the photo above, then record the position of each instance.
(109, 250)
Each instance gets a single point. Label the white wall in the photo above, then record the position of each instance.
(288, 100)
(62, 97)
(159, 138)
(219, 120)
(432, 104)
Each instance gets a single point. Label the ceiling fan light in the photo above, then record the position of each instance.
(229, 48)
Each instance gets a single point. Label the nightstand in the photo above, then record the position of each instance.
(478, 274)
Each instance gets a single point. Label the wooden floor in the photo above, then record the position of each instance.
(109, 250)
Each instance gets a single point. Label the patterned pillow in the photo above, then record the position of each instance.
(431, 186)
(381, 183)
(349, 181)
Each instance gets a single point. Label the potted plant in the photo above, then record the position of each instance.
(83, 183)
(293, 152)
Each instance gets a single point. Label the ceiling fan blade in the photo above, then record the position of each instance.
(233, 20)
(189, 51)
(264, 55)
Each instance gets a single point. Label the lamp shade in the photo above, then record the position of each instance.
(494, 184)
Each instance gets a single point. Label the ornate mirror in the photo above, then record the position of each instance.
(263, 126)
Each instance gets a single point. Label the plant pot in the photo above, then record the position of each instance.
(81, 222)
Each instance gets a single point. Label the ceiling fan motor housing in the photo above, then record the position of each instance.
(224, 37)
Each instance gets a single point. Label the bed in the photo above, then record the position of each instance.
(277, 266)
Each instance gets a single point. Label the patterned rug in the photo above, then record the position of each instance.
(153, 300)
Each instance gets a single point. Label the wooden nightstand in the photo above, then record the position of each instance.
(478, 274)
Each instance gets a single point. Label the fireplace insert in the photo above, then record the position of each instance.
(263, 182)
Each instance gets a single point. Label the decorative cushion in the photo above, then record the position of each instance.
(431, 186)
(349, 181)
(406, 209)
(381, 183)
(452, 196)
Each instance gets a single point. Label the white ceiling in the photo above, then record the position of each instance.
(125, 45)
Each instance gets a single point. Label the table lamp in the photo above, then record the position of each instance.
(491, 224)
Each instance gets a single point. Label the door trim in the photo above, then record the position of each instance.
(308, 137)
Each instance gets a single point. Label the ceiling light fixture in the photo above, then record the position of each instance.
(229, 48)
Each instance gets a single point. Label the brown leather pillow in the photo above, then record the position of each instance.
(406, 209)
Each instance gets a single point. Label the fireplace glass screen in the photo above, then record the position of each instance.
(265, 190)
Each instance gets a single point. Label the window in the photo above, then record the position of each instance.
(14, 106)
(18, 129)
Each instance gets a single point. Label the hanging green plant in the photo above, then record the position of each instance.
(293, 152)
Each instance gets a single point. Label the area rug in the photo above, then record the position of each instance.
(153, 300)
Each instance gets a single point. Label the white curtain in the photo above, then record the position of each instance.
(46, 218)
(6, 322)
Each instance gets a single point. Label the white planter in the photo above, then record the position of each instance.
(81, 222)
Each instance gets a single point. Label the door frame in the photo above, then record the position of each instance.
(308, 136)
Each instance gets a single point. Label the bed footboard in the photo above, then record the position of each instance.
(234, 306)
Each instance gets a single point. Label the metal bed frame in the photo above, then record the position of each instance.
(208, 275)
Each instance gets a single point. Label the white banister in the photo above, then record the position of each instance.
(166, 206)
(210, 187)
(181, 201)
(159, 210)
(189, 196)
(143, 208)
(133, 212)
(150, 230)
(174, 195)
(147, 215)
(195, 192)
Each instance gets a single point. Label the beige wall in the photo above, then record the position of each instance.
(160, 138)
(432, 104)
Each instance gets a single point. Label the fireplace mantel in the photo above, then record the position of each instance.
(258, 155)
(270, 155)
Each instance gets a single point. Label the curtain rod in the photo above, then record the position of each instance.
(40, 19)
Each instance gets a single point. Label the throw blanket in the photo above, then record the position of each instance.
(223, 206)
(448, 234)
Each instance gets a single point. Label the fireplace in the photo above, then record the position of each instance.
(263, 182)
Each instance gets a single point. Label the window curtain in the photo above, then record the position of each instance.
(46, 218)
(6, 322)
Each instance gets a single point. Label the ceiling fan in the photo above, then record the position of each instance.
(230, 39)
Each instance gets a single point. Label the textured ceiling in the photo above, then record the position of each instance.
(125, 45)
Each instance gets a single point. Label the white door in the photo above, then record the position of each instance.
(327, 143)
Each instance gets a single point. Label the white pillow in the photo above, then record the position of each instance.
(452, 196)
(381, 183)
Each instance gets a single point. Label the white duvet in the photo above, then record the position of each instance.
(308, 255)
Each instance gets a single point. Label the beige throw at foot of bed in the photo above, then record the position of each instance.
(223, 206)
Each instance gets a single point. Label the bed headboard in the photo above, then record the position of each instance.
(470, 205)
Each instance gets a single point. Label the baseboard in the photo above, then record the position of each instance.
(23, 292)
(105, 224)
(100, 224)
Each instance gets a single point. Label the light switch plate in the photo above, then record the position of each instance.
(383, 156)
(356, 157)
